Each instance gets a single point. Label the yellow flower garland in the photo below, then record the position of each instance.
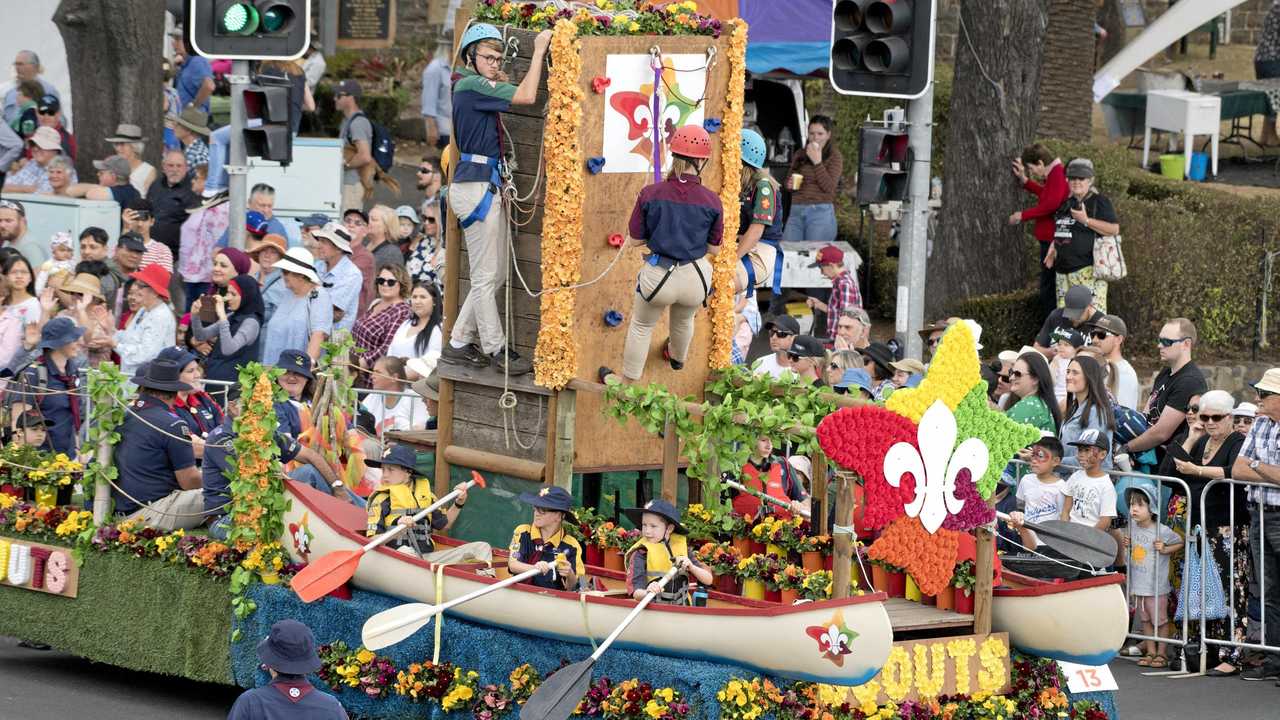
(556, 355)
(724, 263)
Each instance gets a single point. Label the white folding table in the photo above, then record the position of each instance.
(1188, 113)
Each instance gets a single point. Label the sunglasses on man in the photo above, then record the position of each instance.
(780, 334)
(1170, 342)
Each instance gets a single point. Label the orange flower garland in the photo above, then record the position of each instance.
(724, 263)
(556, 355)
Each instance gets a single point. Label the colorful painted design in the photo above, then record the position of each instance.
(302, 537)
(629, 97)
(834, 638)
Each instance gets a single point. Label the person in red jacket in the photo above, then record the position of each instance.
(1044, 176)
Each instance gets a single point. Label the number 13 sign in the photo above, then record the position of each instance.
(1088, 678)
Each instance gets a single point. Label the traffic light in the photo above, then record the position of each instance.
(267, 132)
(249, 29)
(883, 165)
(882, 47)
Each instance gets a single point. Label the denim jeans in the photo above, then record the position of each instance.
(811, 222)
(219, 146)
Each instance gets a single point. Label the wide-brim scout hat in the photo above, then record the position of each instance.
(59, 332)
(290, 649)
(162, 375)
(551, 497)
(195, 120)
(398, 455)
(880, 354)
(662, 509)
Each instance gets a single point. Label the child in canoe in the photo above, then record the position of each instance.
(400, 496)
(663, 544)
(544, 543)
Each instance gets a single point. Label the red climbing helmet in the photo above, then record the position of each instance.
(691, 141)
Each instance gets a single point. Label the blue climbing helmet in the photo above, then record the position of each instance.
(478, 32)
(753, 149)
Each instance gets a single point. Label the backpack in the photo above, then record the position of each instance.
(383, 145)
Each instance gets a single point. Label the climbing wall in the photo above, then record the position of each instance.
(600, 444)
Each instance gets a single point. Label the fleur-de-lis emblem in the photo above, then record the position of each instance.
(834, 638)
(935, 466)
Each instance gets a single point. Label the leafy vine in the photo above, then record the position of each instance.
(107, 389)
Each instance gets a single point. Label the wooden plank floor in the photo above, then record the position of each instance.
(906, 616)
(489, 377)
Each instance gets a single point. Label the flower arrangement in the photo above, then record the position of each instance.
(700, 522)
(790, 577)
(592, 704)
(584, 529)
(25, 466)
(817, 586)
(56, 470)
(791, 534)
(720, 558)
(964, 578)
(424, 680)
(822, 544)
(461, 690)
(494, 702)
(257, 490)
(180, 547)
(613, 536)
(556, 354)
(636, 700)
(762, 568)
(268, 559)
(524, 680)
(603, 17)
(724, 264)
(929, 558)
(372, 674)
(741, 699)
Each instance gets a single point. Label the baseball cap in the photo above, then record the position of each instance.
(48, 105)
(807, 346)
(314, 221)
(784, 323)
(1111, 323)
(115, 164)
(1077, 299)
(46, 138)
(131, 241)
(1071, 335)
(829, 255)
(255, 222)
(1093, 437)
(349, 87)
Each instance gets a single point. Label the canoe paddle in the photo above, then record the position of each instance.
(391, 626)
(328, 573)
(1082, 543)
(559, 696)
(767, 498)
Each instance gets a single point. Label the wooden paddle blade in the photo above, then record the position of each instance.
(325, 574)
(392, 626)
(559, 695)
(1081, 543)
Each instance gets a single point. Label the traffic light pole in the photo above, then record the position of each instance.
(913, 242)
(238, 164)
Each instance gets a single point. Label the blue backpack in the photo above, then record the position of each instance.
(383, 145)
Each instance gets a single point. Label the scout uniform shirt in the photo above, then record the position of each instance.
(286, 699)
(528, 546)
(389, 502)
(476, 104)
(147, 457)
(760, 205)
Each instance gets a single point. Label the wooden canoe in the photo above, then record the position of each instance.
(842, 642)
(1081, 621)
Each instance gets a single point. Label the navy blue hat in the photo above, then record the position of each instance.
(290, 649)
(551, 497)
(313, 220)
(30, 419)
(398, 455)
(296, 361)
(59, 332)
(182, 356)
(130, 241)
(659, 507)
(160, 375)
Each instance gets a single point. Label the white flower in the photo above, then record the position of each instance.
(935, 466)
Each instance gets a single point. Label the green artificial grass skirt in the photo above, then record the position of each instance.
(140, 614)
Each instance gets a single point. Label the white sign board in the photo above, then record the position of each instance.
(1088, 678)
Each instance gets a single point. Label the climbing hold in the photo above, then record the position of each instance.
(613, 318)
(595, 165)
(711, 125)
(599, 83)
(616, 240)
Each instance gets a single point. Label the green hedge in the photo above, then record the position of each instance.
(141, 614)
(382, 109)
(1008, 321)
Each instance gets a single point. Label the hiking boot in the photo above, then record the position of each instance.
(510, 362)
(469, 355)
(1262, 672)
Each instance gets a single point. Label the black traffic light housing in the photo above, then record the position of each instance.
(268, 134)
(248, 29)
(883, 165)
(882, 48)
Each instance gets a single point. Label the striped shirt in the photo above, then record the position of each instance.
(157, 253)
(1263, 444)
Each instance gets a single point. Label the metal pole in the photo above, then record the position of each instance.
(913, 245)
(237, 165)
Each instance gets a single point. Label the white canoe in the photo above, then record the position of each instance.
(1082, 621)
(785, 641)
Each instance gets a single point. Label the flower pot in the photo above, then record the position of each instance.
(946, 600)
(742, 545)
(930, 600)
(613, 559)
(595, 555)
(14, 490)
(811, 561)
(789, 597)
(772, 595)
(913, 590)
(753, 589)
(897, 585)
(775, 550)
(879, 579)
(829, 562)
(756, 548)
(727, 584)
(270, 578)
(963, 602)
(46, 496)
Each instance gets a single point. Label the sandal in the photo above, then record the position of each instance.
(1146, 660)
(1159, 661)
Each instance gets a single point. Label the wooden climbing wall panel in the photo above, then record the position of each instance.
(600, 443)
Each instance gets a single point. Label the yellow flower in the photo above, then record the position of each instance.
(365, 656)
(634, 26)
(7, 501)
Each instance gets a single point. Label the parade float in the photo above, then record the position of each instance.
(900, 613)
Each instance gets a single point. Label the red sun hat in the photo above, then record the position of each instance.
(155, 277)
(691, 141)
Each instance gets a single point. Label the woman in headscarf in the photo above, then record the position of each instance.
(236, 331)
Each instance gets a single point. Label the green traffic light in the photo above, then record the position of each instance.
(240, 19)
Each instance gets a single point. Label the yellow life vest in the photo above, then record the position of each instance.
(658, 562)
(389, 502)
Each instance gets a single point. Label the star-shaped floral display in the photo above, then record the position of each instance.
(929, 460)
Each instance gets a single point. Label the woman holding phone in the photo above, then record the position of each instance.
(1085, 216)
